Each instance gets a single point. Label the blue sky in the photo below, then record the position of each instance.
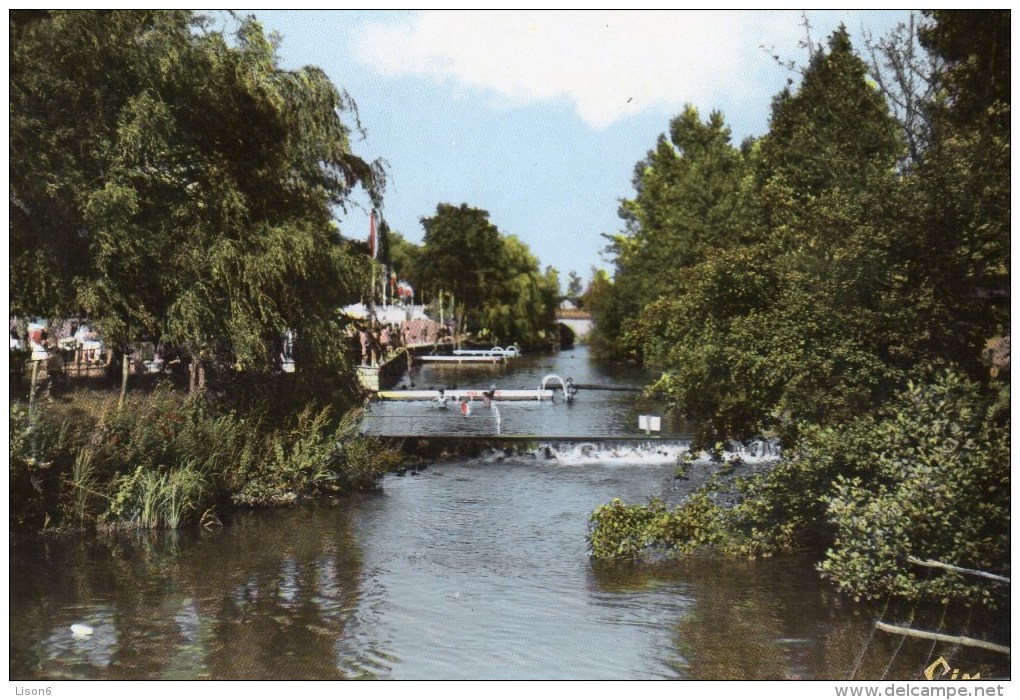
(539, 117)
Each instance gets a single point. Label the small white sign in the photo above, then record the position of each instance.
(650, 423)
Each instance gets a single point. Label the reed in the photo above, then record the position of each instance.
(83, 484)
(170, 499)
(167, 459)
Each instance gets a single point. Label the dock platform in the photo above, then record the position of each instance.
(467, 394)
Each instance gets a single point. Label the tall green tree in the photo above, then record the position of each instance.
(690, 202)
(524, 306)
(834, 132)
(497, 287)
(963, 242)
(802, 323)
(196, 179)
(462, 253)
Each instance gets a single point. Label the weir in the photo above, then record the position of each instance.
(573, 448)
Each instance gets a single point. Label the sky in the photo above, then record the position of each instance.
(539, 117)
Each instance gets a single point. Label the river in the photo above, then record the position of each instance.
(469, 569)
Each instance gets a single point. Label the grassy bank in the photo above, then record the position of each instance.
(168, 459)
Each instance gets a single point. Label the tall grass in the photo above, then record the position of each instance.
(167, 460)
(169, 499)
(83, 484)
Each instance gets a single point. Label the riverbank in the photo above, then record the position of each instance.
(169, 459)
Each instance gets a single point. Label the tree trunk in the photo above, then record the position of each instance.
(32, 389)
(125, 370)
(196, 375)
(951, 639)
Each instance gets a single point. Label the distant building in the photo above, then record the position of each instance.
(577, 320)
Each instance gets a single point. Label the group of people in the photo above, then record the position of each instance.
(377, 343)
(422, 331)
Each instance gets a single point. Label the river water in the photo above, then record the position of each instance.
(469, 569)
(592, 413)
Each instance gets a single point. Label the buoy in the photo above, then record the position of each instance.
(464, 408)
(80, 630)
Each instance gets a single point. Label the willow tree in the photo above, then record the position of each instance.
(177, 182)
(523, 308)
(263, 254)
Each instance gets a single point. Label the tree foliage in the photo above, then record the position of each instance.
(689, 204)
(934, 485)
(847, 316)
(495, 281)
(174, 181)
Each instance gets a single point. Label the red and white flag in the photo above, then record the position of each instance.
(373, 244)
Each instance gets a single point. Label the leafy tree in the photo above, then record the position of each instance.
(195, 179)
(601, 286)
(833, 327)
(524, 308)
(799, 324)
(963, 235)
(690, 203)
(70, 82)
(574, 285)
(834, 132)
(495, 280)
(462, 254)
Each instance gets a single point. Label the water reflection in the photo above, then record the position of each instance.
(268, 601)
(771, 620)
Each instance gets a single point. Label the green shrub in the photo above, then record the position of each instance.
(617, 530)
(166, 459)
(926, 476)
(939, 489)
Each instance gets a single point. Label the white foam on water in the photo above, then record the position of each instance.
(642, 452)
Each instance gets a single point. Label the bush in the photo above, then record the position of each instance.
(166, 460)
(939, 489)
(617, 530)
(926, 476)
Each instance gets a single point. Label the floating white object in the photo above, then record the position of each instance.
(80, 630)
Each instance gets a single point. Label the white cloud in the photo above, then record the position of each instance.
(608, 65)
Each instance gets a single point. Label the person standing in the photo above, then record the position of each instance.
(386, 341)
(366, 342)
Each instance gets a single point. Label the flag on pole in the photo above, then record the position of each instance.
(373, 244)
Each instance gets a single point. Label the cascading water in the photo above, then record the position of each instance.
(499, 419)
(637, 451)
